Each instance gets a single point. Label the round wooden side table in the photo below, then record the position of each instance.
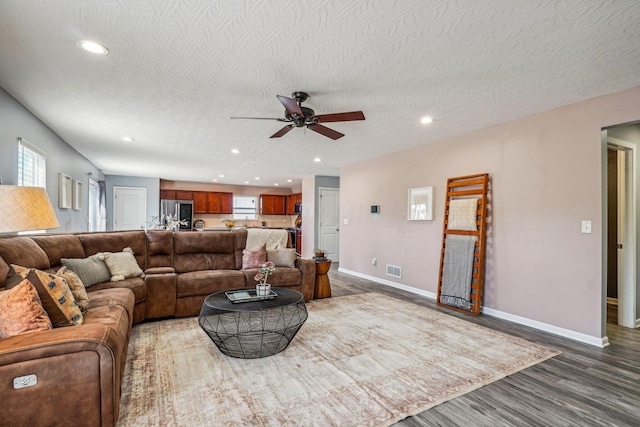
(323, 287)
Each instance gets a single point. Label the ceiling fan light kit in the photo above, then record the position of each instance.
(298, 116)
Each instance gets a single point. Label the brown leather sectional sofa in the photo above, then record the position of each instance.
(79, 368)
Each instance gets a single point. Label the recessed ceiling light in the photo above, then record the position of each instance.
(221, 175)
(214, 180)
(246, 182)
(289, 180)
(426, 120)
(317, 159)
(235, 151)
(93, 47)
(276, 184)
(257, 178)
(128, 138)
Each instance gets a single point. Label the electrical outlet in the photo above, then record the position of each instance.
(374, 261)
(586, 227)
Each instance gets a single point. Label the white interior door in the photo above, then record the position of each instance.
(328, 223)
(129, 208)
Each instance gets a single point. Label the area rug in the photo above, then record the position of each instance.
(360, 360)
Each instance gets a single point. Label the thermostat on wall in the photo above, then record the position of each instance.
(375, 209)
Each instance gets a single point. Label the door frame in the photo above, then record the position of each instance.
(627, 269)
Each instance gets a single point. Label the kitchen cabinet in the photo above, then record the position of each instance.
(211, 202)
(200, 202)
(272, 204)
(168, 194)
(291, 203)
(184, 195)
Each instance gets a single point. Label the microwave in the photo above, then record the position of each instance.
(297, 208)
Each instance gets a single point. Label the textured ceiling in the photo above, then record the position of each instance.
(178, 70)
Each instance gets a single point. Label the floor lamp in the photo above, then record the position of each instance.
(25, 208)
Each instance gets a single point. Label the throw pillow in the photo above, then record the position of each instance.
(122, 265)
(282, 257)
(21, 311)
(91, 270)
(54, 293)
(77, 287)
(253, 259)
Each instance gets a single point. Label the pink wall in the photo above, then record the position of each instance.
(546, 177)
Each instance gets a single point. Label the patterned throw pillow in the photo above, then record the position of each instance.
(253, 259)
(91, 270)
(282, 257)
(122, 265)
(77, 287)
(21, 311)
(54, 292)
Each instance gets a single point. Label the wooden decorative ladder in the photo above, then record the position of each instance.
(469, 186)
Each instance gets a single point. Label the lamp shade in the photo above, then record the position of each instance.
(25, 208)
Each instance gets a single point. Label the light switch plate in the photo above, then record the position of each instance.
(346, 220)
(586, 227)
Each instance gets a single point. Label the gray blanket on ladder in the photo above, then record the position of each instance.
(457, 270)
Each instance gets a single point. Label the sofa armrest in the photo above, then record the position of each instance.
(76, 358)
(308, 269)
(161, 294)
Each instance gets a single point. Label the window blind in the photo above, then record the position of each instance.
(32, 165)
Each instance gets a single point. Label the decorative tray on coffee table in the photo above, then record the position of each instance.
(248, 295)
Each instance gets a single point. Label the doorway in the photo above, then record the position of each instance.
(129, 208)
(620, 296)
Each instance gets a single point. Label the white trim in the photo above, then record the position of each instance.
(566, 333)
(424, 293)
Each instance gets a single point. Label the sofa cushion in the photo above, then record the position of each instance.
(122, 297)
(54, 292)
(58, 246)
(285, 257)
(254, 258)
(91, 270)
(122, 265)
(21, 251)
(136, 284)
(281, 276)
(204, 251)
(114, 241)
(21, 311)
(208, 281)
(77, 287)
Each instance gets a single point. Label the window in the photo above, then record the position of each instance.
(32, 165)
(245, 207)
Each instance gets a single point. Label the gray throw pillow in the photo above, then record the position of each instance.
(91, 270)
(282, 257)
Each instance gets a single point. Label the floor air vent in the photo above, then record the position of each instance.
(394, 271)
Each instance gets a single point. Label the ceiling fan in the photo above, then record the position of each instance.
(298, 116)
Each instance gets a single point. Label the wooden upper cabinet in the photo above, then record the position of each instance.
(272, 204)
(213, 202)
(291, 203)
(167, 194)
(200, 202)
(226, 203)
(184, 195)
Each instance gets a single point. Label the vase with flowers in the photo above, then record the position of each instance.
(262, 287)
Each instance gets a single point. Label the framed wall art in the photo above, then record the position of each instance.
(420, 204)
(65, 196)
(77, 195)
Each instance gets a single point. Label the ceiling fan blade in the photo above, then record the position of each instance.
(340, 117)
(282, 131)
(323, 130)
(290, 105)
(260, 118)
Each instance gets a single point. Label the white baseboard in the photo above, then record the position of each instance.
(566, 333)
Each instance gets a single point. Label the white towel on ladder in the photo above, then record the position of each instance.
(463, 214)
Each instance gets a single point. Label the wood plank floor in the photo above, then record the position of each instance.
(584, 386)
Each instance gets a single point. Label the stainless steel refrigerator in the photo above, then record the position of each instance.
(181, 209)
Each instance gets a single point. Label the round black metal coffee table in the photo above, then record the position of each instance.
(250, 330)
